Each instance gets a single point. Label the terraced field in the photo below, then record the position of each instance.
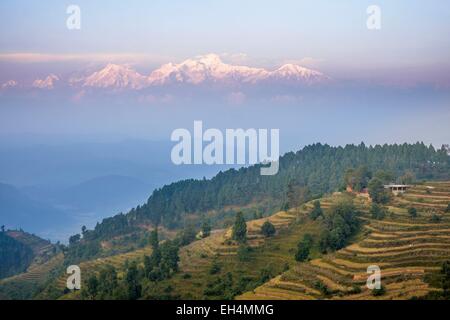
(43, 250)
(36, 275)
(194, 259)
(405, 248)
(197, 258)
(94, 266)
(45, 260)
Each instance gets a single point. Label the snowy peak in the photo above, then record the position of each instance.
(211, 68)
(47, 83)
(292, 72)
(210, 59)
(115, 76)
(202, 69)
(10, 84)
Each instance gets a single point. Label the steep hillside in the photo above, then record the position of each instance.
(18, 250)
(27, 284)
(15, 257)
(267, 258)
(34, 259)
(408, 250)
(317, 169)
(42, 249)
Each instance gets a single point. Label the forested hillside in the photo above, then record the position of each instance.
(314, 170)
(319, 167)
(15, 256)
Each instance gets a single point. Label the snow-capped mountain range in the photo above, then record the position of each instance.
(47, 83)
(10, 84)
(199, 70)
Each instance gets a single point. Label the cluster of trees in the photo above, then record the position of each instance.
(239, 231)
(377, 211)
(268, 229)
(412, 212)
(160, 265)
(362, 178)
(15, 256)
(304, 248)
(221, 287)
(79, 250)
(317, 211)
(377, 192)
(108, 286)
(83, 246)
(103, 287)
(297, 193)
(435, 218)
(163, 262)
(357, 179)
(445, 282)
(227, 286)
(206, 228)
(340, 224)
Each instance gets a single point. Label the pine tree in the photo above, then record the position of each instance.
(240, 228)
(317, 211)
(154, 241)
(134, 288)
(304, 248)
(268, 229)
(92, 287)
(377, 191)
(377, 211)
(206, 229)
(445, 282)
(412, 212)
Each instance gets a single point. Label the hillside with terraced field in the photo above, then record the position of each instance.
(44, 259)
(197, 258)
(408, 251)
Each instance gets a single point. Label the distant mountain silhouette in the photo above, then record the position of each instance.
(105, 193)
(19, 211)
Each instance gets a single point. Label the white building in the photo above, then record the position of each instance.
(397, 188)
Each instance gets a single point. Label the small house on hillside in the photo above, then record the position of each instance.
(397, 188)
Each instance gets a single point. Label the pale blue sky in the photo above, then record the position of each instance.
(388, 86)
(414, 33)
(328, 35)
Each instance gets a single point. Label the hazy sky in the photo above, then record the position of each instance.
(327, 33)
(382, 86)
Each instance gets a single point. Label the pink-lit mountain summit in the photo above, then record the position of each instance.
(205, 69)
